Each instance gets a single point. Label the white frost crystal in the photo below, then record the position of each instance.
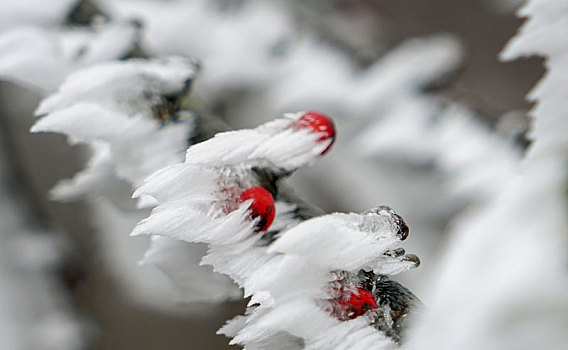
(116, 109)
(278, 145)
(304, 263)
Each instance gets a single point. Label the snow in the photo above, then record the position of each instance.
(276, 145)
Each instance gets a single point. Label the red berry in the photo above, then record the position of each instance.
(318, 123)
(358, 303)
(262, 206)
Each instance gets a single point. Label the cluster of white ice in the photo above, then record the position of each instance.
(289, 279)
(120, 111)
(116, 109)
(36, 311)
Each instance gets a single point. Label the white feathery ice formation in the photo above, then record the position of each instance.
(460, 162)
(190, 194)
(116, 110)
(503, 282)
(118, 102)
(289, 280)
(304, 262)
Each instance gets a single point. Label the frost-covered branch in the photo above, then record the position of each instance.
(306, 278)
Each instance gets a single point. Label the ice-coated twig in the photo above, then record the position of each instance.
(117, 108)
(296, 268)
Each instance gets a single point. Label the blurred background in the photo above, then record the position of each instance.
(393, 74)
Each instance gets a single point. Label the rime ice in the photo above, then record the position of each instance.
(289, 276)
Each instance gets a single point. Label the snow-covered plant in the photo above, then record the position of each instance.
(471, 169)
(310, 276)
(114, 106)
(238, 44)
(503, 282)
(38, 51)
(384, 87)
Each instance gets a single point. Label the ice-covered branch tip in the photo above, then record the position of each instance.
(327, 272)
(216, 171)
(326, 276)
(282, 145)
(118, 110)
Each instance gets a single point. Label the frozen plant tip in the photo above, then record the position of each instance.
(304, 276)
(121, 114)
